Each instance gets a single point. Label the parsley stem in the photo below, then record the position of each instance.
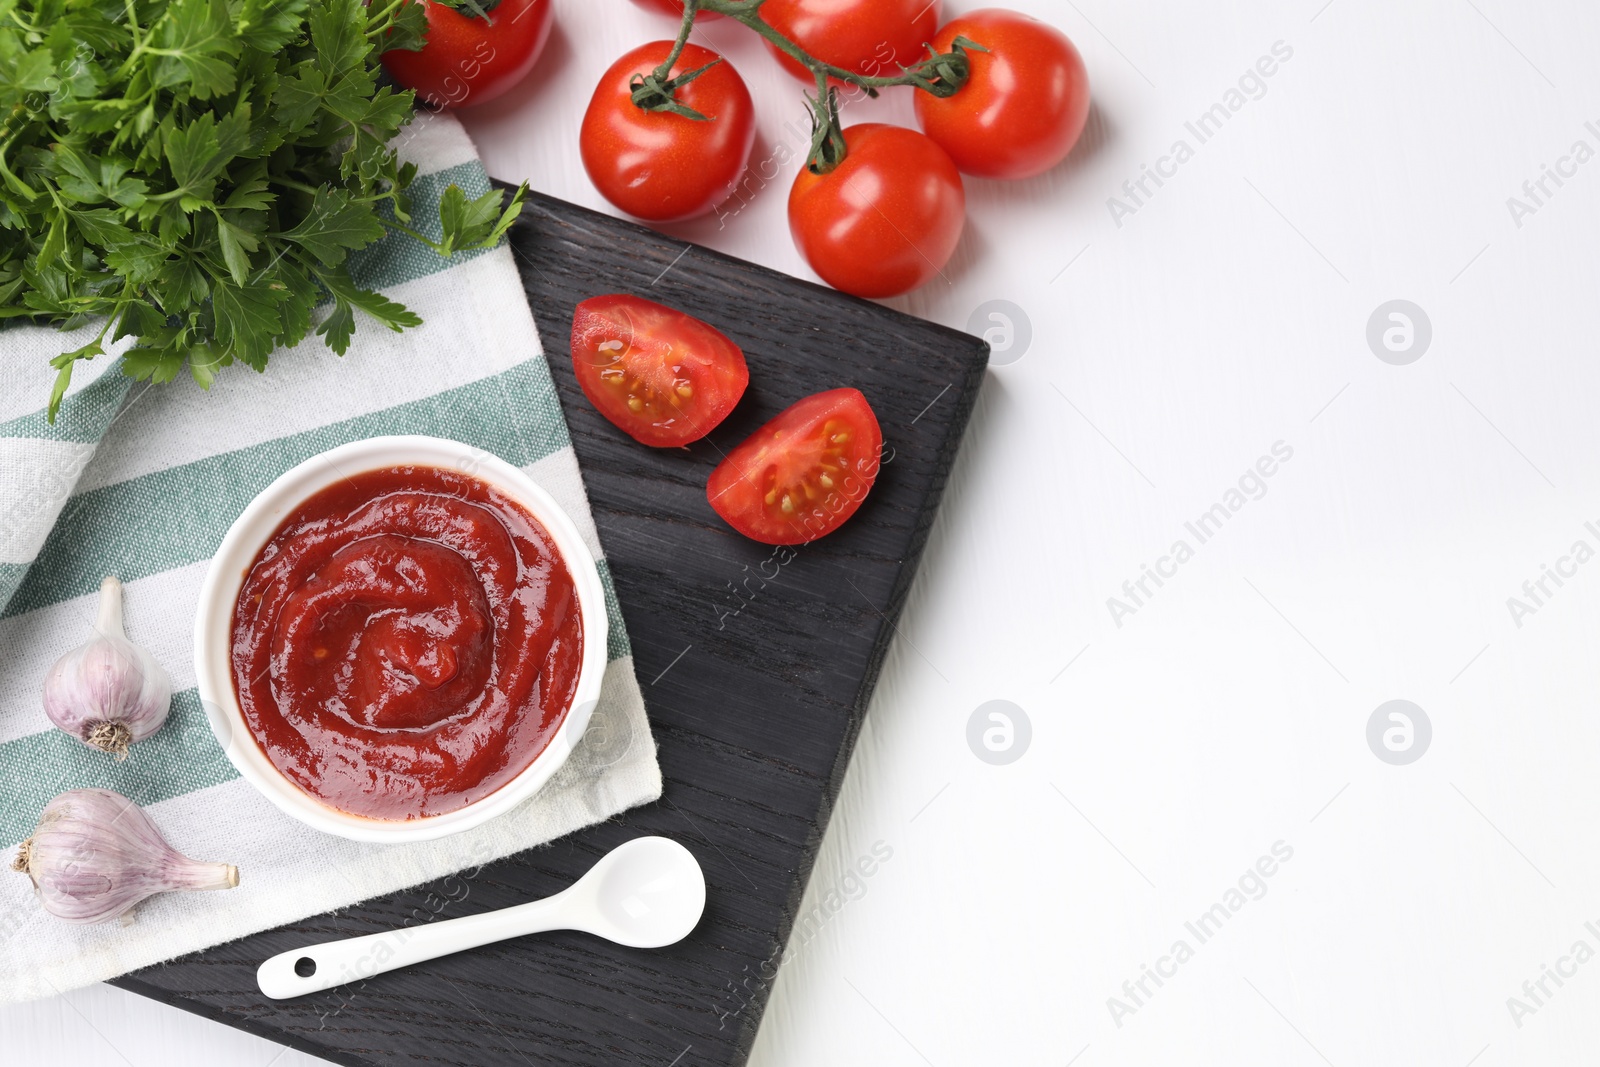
(133, 22)
(409, 232)
(383, 22)
(15, 183)
(283, 179)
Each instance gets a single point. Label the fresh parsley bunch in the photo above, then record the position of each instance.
(198, 172)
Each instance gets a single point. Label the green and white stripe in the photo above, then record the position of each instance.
(143, 482)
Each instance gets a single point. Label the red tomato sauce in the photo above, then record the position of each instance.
(406, 643)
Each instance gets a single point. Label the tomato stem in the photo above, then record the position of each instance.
(690, 8)
(941, 74)
(654, 94)
(656, 91)
(827, 135)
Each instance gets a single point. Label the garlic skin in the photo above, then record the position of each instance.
(96, 854)
(110, 692)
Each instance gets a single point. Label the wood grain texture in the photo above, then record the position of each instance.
(756, 675)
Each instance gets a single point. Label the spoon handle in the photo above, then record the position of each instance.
(333, 963)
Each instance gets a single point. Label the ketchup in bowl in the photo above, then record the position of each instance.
(407, 642)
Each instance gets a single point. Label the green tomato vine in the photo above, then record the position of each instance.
(942, 74)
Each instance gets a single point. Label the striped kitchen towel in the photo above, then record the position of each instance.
(142, 482)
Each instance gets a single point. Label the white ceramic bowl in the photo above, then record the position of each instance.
(253, 528)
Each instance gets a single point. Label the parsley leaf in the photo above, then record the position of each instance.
(335, 226)
(246, 320)
(198, 45)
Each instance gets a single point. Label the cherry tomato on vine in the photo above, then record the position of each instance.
(1026, 102)
(804, 473)
(673, 8)
(660, 166)
(886, 219)
(870, 37)
(470, 60)
(660, 376)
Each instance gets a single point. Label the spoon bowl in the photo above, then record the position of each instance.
(648, 893)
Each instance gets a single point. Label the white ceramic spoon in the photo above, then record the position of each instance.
(647, 893)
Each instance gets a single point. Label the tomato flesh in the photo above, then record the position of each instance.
(662, 377)
(804, 473)
(470, 60)
(1025, 104)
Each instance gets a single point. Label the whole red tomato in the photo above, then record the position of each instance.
(673, 8)
(659, 166)
(1025, 105)
(886, 219)
(470, 60)
(870, 37)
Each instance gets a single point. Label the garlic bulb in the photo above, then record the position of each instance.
(110, 692)
(95, 855)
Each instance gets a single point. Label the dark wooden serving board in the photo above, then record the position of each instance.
(754, 713)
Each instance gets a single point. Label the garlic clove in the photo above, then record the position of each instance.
(109, 692)
(96, 854)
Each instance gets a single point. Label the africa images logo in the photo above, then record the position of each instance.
(1536, 193)
(1399, 732)
(1399, 332)
(1251, 485)
(1251, 885)
(1138, 191)
(999, 732)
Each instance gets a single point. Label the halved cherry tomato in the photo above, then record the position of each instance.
(675, 9)
(659, 166)
(1025, 105)
(886, 219)
(870, 37)
(804, 473)
(470, 60)
(662, 377)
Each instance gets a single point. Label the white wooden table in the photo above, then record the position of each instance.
(1183, 731)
